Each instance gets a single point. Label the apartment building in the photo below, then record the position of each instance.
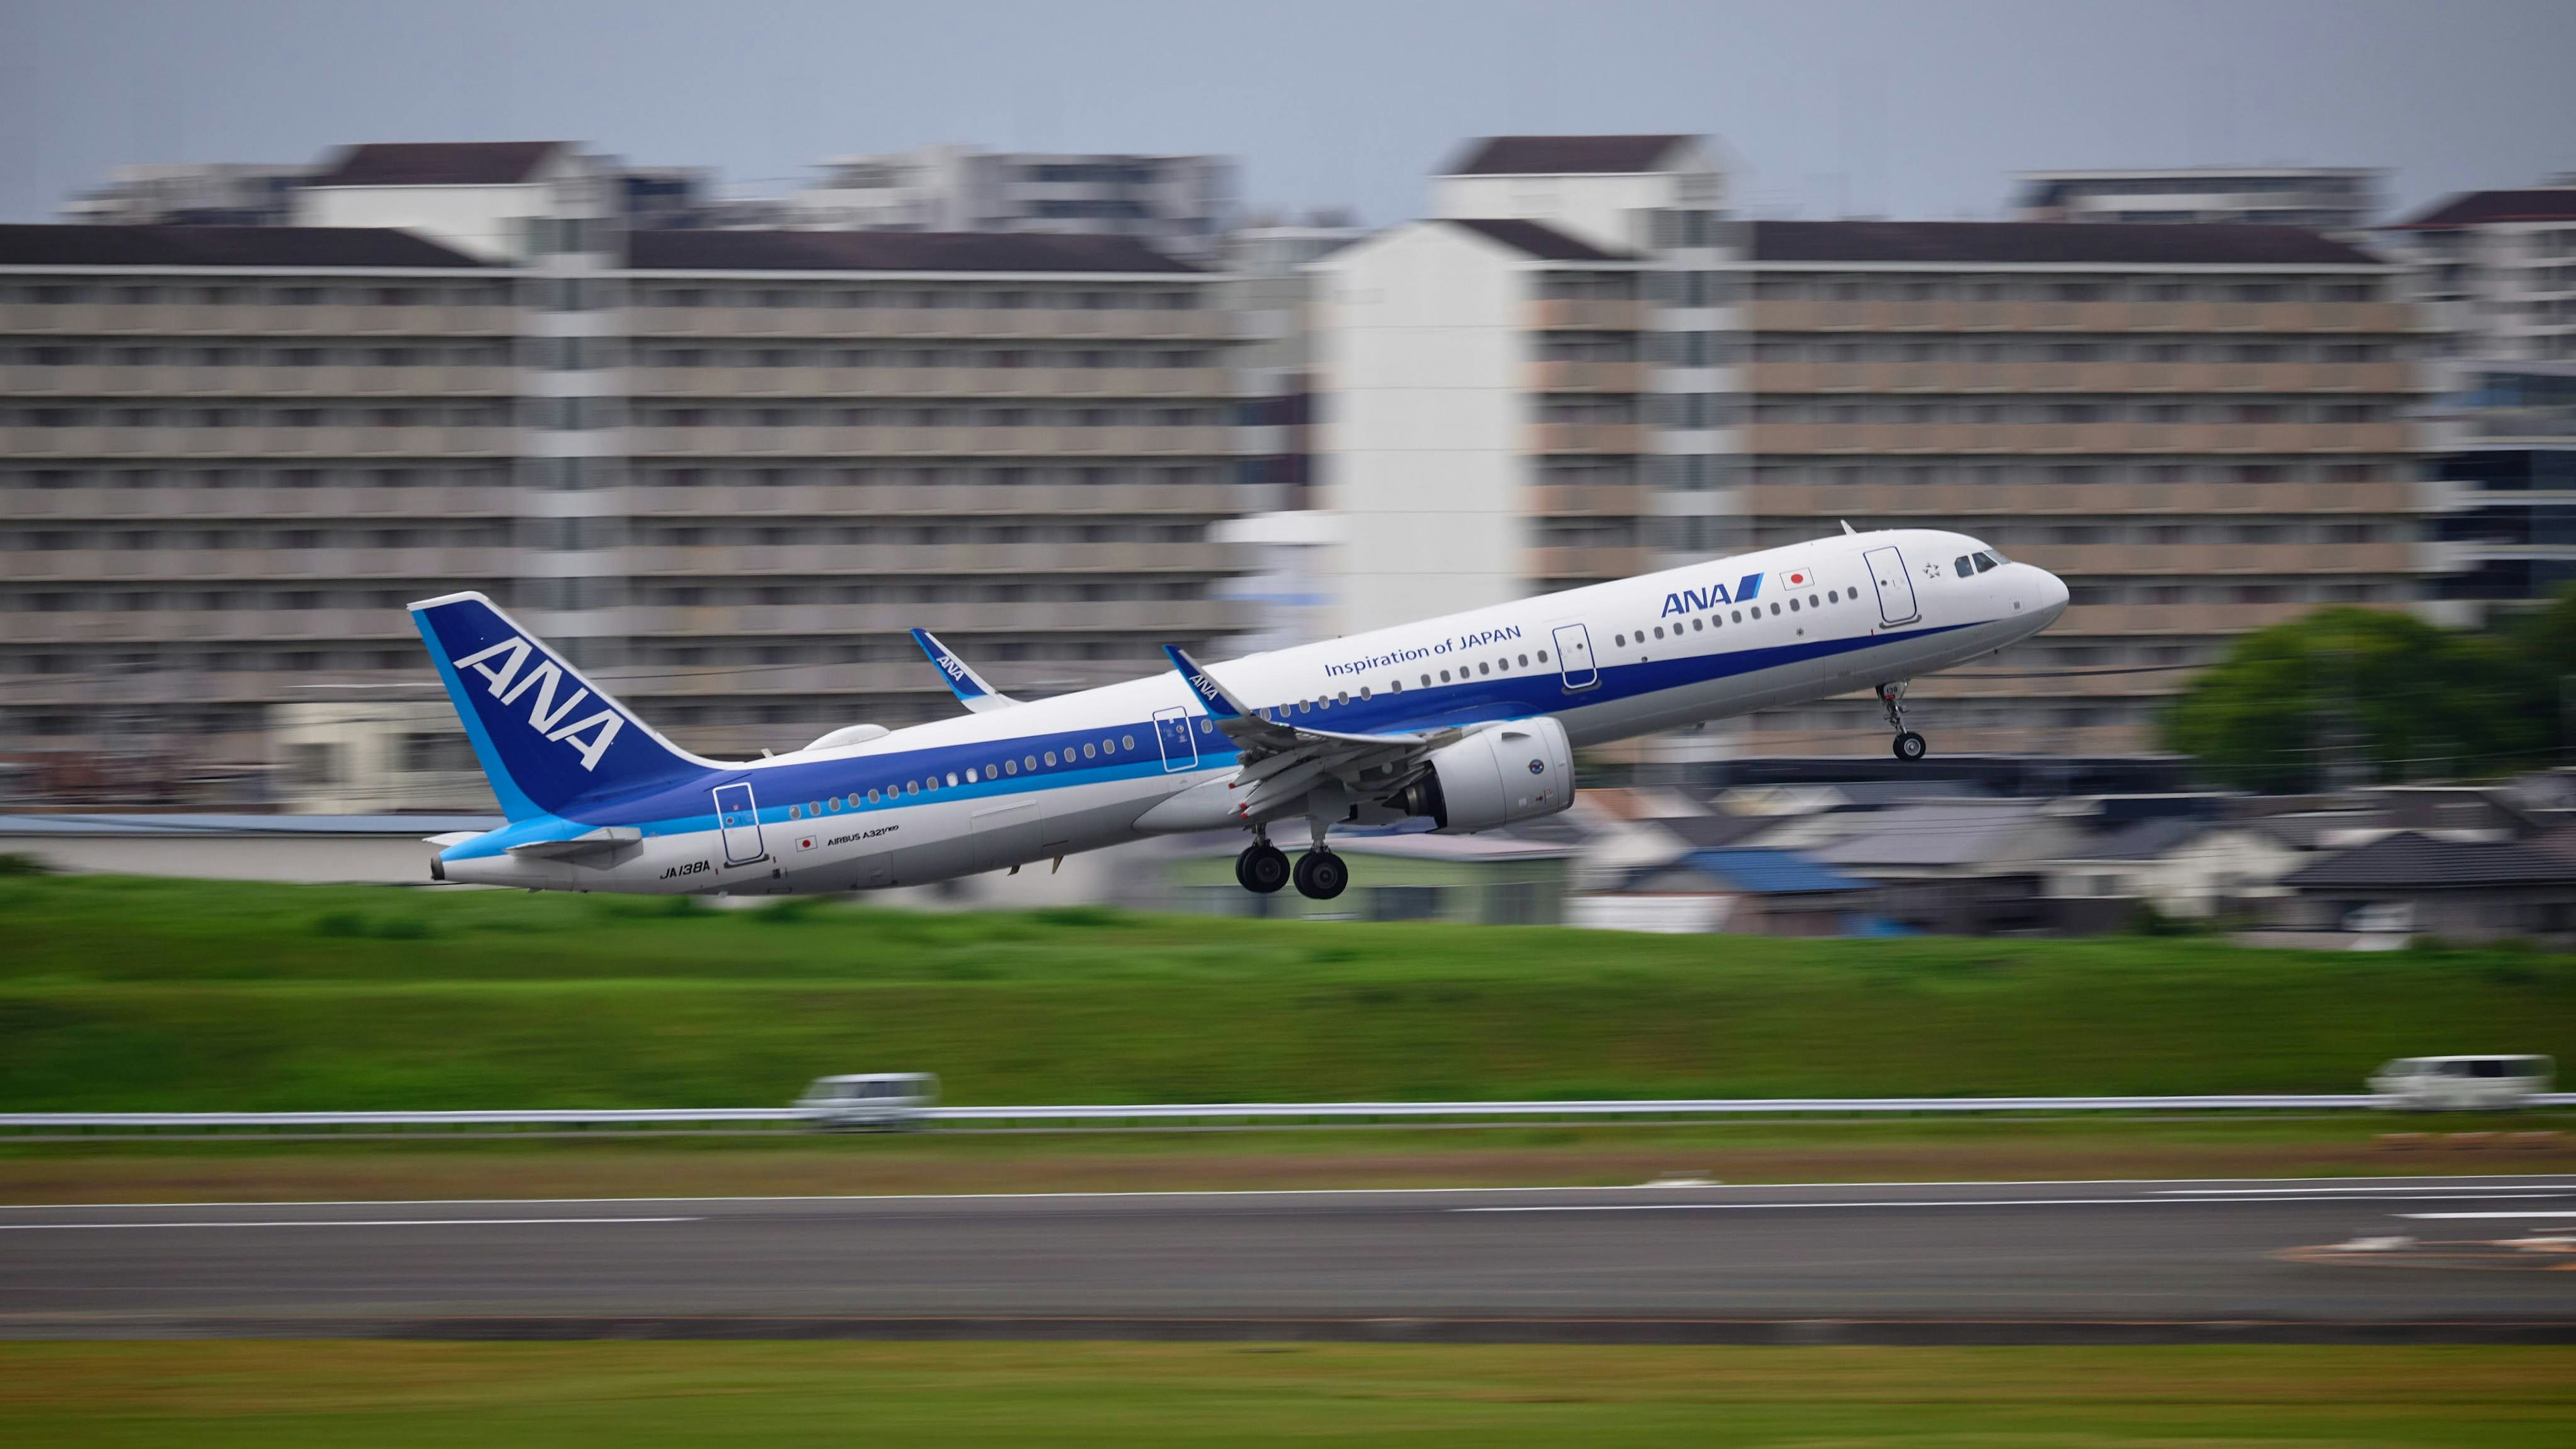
(2204, 429)
(726, 469)
(2320, 198)
(1525, 392)
(2495, 273)
(1183, 205)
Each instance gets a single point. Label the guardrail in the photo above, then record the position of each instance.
(748, 1117)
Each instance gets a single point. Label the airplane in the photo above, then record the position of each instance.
(1469, 721)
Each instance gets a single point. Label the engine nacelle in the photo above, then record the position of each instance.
(1514, 771)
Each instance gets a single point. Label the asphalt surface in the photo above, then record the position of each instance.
(2461, 1259)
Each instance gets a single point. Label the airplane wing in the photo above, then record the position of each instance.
(970, 688)
(1282, 761)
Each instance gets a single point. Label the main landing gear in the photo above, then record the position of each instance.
(1908, 746)
(1263, 868)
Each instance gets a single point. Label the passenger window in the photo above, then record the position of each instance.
(2487, 1068)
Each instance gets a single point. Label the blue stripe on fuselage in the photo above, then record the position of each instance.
(687, 806)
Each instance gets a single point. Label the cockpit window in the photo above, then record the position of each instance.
(1986, 561)
(1960, 568)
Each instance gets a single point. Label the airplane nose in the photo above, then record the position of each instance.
(2052, 593)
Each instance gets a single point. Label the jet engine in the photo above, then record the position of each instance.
(1514, 771)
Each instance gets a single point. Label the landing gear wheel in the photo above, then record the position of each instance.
(1909, 747)
(1262, 868)
(1321, 875)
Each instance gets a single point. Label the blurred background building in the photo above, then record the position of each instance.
(2494, 273)
(726, 469)
(1183, 205)
(2332, 199)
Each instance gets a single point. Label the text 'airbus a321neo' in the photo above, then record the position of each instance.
(1470, 721)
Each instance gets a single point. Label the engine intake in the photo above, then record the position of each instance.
(1515, 771)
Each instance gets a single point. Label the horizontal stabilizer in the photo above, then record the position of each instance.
(970, 688)
(606, 837)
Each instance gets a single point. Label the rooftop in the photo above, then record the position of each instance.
(893, 251)
(438, 163)
(221, 246)
(1766, 872)
(1563, 155)
(2427, 862)
(2482, 208)
(2111, 243)
(1542, 241)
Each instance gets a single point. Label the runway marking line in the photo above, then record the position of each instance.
(2532, 1214)
(2480, 1182)
(2166, 1201)
(337, 1223)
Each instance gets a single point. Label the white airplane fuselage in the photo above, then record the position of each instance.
(1047, 778)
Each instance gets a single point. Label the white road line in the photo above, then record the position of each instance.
(2392, 1185)
(2567, 1183)
(1731, 1207)
(2532, 1214)
(333, 1223)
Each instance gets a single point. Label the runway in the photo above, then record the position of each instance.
(2463, 1259)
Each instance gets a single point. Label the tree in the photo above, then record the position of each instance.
(2361, 695)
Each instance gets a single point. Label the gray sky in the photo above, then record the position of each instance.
(1903, 109)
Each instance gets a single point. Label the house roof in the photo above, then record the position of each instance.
(1960, 833)
(2112, 243)
(1540, 240)
(221, 246)
(1771, 872)
(1713, 832)
(1562, 155)
(893, 251)
(2427, 862)
(2143, 839)
(438, 163)
(2481, 208)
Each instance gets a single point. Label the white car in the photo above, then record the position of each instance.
(2461, 1084)
(870, 1099)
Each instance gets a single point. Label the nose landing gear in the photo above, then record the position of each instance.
(1908, 746)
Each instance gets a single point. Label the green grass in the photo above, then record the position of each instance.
(275, 1395)
(121, 993)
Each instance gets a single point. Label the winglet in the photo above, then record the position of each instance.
(1847, 528)
(970, 688)
(1211, 695)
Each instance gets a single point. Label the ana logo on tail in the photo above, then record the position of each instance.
(544, 715)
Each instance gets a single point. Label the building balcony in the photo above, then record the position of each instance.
(257, 319)
(908, 442)
(1586, 562)
(932, 382)
(173, 507)
(2085, 377)
(877, 500)
(721, 560)
(327, 442)
(197, 383)
(1891, 499)
(1584, 377)
(1198, 324)
(1776, 315)
(1559, 315)
(1590, 439)
(2070, 438)
(1589, 500)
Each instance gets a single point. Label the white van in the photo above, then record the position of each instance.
(870, 1099)
(2461, 1084)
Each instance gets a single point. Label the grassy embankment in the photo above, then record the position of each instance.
(399, 1394)
(122, 993)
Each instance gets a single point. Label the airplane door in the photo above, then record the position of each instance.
(1180, 747)
(1895, 591)
(1574, 657)
(738, 820)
